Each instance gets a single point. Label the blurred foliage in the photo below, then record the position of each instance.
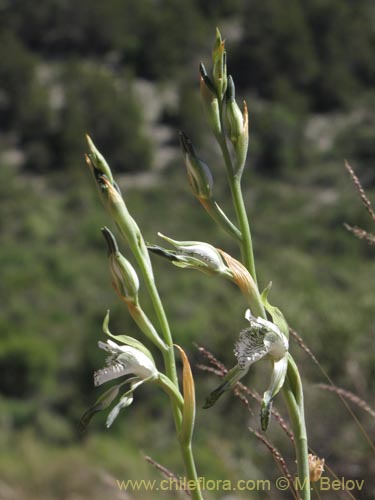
(315, 54)
(73, 67)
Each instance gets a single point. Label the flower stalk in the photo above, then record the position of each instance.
(233, 127)
(126, 284)
(267, 333)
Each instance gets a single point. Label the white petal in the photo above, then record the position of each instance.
(250, 347)
(109, 373)
(124, 402)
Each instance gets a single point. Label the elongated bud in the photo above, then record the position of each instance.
(125, 222)
(210, 101)
(219, 71)
(237, 126)
(98, 160)
(195, 255)
(199, 175)
(125, 279)
(233, 116)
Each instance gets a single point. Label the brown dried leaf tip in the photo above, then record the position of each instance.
(316, 467)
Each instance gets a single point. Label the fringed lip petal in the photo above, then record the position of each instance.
(124, 360)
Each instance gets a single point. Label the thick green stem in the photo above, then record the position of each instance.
(293, 394)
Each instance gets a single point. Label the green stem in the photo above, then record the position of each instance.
(246, 243)
(293, 394)
(239, 205)
(191, 471)
(166, 383)
(169, 359)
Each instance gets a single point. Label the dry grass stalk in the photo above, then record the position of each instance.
(361, 233)
(366, 202)
(166, 472)
(350, 396)
(278, 458)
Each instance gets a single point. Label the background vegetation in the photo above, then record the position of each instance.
(126, 72)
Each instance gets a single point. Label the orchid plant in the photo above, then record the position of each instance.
(267, 333)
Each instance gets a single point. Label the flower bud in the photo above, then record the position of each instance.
(98, 160)
(199, 175)
(195, 255)
(233, 116)
(210, 101)
(219, 70)
(237, 127)
(125, 279)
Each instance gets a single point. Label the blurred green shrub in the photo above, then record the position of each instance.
(315, 54)
(103, 105)
(276, 137)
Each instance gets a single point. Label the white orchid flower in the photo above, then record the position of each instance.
(263, 339)
(123, 360)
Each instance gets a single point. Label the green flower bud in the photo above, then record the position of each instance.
(236, 123)
(194, 255)
(98, 160)
(199, 175)
(210, 101)
(219, 70)
(125, 279)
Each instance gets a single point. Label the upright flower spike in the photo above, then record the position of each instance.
(263, 339)
(124, 277)
(199, 175)
(194, 255)
(219, 71)
(123, 360)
